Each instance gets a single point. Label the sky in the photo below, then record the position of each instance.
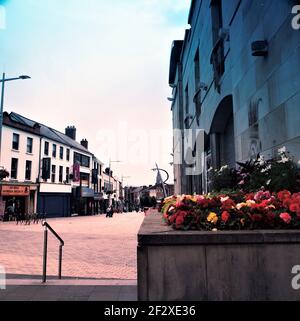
(101, 66)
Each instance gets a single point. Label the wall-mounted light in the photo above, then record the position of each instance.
(259, 48)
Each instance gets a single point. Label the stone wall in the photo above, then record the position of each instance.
(215, 266)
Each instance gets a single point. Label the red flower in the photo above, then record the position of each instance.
(249, 196)
(179, 221)
(283, 195)
(295, 207)
(225, 216)
(228, 205)
(286, 217)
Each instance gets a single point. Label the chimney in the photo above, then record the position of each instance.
(84, 143)
(70, 131)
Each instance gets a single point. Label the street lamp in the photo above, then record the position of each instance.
(160, 178)
(109, 195)
(4, 80)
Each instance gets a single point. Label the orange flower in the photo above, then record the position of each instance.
(225, 216)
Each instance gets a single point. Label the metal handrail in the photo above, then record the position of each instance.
(62, 243)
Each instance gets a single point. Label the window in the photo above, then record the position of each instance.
(60, 174)
(53, 173)
(187, 107)
(29, 145)
(84, 179)
(83, 160)
(14, 168)
(67, 174)
(54, 150)
(15, 141)
(61, 152)
(197, 97)
(217, 56)
(28, 170)
(68, 154)
(46, 148)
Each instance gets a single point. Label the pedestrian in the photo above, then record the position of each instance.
(108, 211)
(111, 212)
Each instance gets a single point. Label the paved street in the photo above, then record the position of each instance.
(95, 247)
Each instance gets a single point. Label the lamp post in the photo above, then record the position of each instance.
(160, 178)
(109, 195)
(4, 80)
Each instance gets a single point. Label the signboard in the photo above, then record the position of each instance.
(76, 172)
(87, 192)
(15, 190)
(46, 168)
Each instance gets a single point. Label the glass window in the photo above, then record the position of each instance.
(46, 148)
(15, 141)
(28, 170)
(67, 174)
(29, 145)
(14, 168)
(54, 150)
(61, 152)
(60, 174)
(83, 160)
(68, 154)
(53, 173)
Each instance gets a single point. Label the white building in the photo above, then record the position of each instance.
(57, 170)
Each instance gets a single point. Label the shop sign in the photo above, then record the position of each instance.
(87, 192)
(15, 190)
(76, 172)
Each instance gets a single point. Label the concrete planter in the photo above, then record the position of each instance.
(231, 265)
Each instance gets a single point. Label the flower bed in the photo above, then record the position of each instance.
(235, 211)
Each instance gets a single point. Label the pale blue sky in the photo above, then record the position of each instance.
(96, 64)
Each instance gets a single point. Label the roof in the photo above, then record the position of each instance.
(48, 132)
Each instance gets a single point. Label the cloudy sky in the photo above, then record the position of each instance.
(99, 65)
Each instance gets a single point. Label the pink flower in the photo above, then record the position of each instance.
(286, 217)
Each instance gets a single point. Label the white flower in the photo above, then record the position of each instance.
(261, 160)
(283, 160)
(223, 199)
(223, 167)
(282, 150)
(268, 181)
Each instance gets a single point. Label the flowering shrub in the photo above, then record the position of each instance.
(236, 211)
(274, 174)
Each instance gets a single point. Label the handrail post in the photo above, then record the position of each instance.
(45, 254)
(60, 261)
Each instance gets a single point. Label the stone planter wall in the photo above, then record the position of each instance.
(195, 265)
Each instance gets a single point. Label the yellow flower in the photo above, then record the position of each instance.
(212, 218)
(240, 205)
(250, 202)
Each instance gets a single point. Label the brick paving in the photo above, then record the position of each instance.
(95, 247)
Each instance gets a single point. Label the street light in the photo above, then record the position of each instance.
(160, 178)
(110, 161)
(4, 80)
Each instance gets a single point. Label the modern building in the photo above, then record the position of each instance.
(235, 77)
(49, 171)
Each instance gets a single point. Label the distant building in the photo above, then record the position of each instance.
(235, 75)
(50, 172)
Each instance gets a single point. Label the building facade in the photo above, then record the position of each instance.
(49, 171)
(234, 77)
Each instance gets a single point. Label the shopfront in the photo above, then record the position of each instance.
(21, 199)
(83, 200)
